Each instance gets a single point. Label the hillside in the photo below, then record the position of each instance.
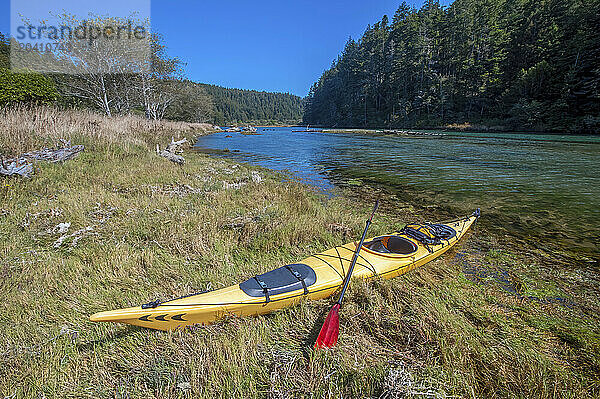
(233, 106)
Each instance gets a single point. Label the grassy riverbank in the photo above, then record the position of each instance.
(486, 320)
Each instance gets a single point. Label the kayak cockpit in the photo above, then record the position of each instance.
(391, 245)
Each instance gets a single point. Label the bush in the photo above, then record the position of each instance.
(18, 88)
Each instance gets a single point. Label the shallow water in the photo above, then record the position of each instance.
(535, 185)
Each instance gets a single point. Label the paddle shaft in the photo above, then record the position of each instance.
(355, 257)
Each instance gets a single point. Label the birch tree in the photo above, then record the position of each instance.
(98, 59)
(156, 81)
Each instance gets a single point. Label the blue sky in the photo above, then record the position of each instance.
(267, 45)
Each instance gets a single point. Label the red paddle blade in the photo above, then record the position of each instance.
(329, 332)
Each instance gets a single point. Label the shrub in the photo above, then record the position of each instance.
(16, 88)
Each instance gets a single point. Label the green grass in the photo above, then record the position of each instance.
(160, 231)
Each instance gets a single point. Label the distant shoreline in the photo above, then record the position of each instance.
(449, 128)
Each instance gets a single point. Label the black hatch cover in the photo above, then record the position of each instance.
(284, 279)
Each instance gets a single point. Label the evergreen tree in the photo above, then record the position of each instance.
(522, 64)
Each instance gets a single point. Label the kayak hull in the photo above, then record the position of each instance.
(329, 268)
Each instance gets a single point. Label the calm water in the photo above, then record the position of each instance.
(535, 186)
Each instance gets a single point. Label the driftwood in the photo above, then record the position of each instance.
(54, 155)
(21, 165)
(76, 236)
(172, 151)
(12, 168)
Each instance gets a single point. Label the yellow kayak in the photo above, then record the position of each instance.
(316, 277)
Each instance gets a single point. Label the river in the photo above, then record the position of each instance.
(541, 187)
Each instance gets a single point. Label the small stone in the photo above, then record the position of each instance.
(61, 228)
(256, 177)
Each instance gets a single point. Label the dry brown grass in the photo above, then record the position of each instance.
(459, 126)
(25, 128)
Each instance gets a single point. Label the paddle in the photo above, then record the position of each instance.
(331, 327)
